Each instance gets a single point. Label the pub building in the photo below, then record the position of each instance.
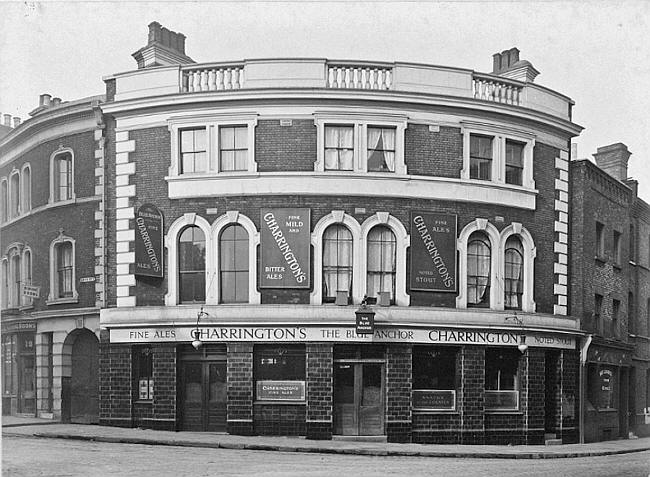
(337, 248)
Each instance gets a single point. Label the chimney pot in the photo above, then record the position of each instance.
(7, 118)
(513, 56)
(154, 32)
(16, 121)
(46, 100)
(56, 101)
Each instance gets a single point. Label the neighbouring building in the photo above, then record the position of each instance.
(51, 215)
(254, 209)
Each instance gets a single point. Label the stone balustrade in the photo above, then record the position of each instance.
(490, 88)
(212, 78)
(359, 77)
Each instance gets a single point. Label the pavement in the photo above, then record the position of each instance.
(44, 428)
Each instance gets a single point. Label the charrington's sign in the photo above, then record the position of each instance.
(149, 241)
(433, 252)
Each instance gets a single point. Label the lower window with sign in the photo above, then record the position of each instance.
(434, 378)
(279, 372)
(143, 373)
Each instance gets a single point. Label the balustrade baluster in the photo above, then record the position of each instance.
(211, 85)
(346, 78)
(389, 79)
(204, 80)
(184, 82)
(196, 81)
(235, 78)
(227, 78)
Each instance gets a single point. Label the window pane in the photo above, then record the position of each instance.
(227, 139)
(240, 160)
(241, 137)
(478, 271)
(227, 161)
(234, 264)
(191, 264)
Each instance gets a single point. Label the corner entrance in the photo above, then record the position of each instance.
(358, 399)
(202, 389)
(80, 389)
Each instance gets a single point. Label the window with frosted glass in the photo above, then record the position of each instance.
(339, 148)
(233, 148)
(63, 177)
(381, 149)
(478, 270)
(193, 144)
(191, 265)
(64, 269)
(381, 265)
(514, 271)
(480, 157)
(337, 262)
(233, 264)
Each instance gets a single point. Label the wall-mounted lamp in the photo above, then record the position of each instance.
(196, 333)
(522, 346)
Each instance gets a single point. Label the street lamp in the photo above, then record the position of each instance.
(522, 347)
(196, 333)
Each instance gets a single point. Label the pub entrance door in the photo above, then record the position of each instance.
(202, 390)
(358, 398)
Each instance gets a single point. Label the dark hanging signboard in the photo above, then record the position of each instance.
(433, 252)
(149, 241)
(285, 250)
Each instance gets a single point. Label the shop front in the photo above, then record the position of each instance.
(19, 368)
(408, 383)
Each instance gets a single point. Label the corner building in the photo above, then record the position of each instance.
(251, 206)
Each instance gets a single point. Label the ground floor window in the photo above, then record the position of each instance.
(279, 372)
(143, 372)
(434, 378)
(502, 379)
(602, 386)
(9, 365)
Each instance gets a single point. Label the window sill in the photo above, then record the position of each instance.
(435, 411)
(281, 403)
(504, 411)
(143, 401)
(62, 301)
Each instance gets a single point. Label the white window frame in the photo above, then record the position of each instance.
(27, 302)
(14, 208)
(212, 233)
(402, 242)
(4, 269)
(337, 217)
(13, 251)
(499, 136)
(4, 201)
(212, 125)
(26, 188)
(53, 298)
(58, 152)
(360, 123)
(530, 252)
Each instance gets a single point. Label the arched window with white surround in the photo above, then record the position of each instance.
(517, 268)
(479, 265)
(191, 265)
(479, 254)
(384, 242)
(4, 198)
(15, 269)
(233, 264)
(62, 271)
(5, 283)
(337, 264)
(26, 188)
(27, 275)
(62, 175)
(14, 194)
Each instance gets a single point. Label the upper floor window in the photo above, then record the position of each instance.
(514, 162)
(234, 263)
(27, 275)
(598, 313)
(478, 270)
(618, 259)
(5, 283)
(631, 319)
(193, 150)
(26, 188)
(616, 309)
(337, 262)
(233, 148)
(339, 148)
(600, 240)
(14, 193)
(381, 262)
(514, 273)
(480, 157)
(632, 244)
(62, 271)
(215, 145)
(191, 265)
(4, 192)
(381, 149)
(62, 176)
(15, 270)
(359, 144)
(497, 154)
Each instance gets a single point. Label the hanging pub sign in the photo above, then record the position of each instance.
(149, 241)
(285, 250)
(433, 252)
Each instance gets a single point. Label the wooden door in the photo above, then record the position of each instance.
(358, 399)
(84, 382)
(192, 396)
(203, 396)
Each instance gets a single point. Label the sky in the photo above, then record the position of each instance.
(595, 52)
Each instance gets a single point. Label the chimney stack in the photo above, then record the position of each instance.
(7, 120)
(164, 48)
(508, 65)
(16, 121)
(45, 100)
(56, 101)
(613, 160)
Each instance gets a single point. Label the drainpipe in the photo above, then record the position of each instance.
(583, 386)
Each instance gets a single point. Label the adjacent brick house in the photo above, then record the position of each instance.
(289, 194)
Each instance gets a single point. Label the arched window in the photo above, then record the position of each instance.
(14, 191)
(233, 264)
(191, 265)
(27, 275)
(15, 267)
(26, 192)
(5, 284)
(64, 270)
(381, 263)
(62, 181)
(478, 270)
(513, 285)
(337, 262)
(5, 201)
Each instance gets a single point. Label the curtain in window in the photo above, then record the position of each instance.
(233, 263)
(337, 261)
(381, 262)
(339, 148)
(64, 269)
(514, 264)
(381, 149)
(478, 270)
(191, 265)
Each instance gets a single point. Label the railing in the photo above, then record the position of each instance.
(489, 88)
(212, 78)
(359, 77)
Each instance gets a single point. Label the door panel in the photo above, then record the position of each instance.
(345, 415)
(358, 399)
(371, 412)
(203, 396)
(192, 397)
(217, 397)
(84, 382)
